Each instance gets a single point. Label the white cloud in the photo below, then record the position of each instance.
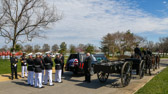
(164, 2)
(87, 21)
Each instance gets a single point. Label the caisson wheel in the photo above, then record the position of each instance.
(141, 69)
(102, 76)
(126, 73)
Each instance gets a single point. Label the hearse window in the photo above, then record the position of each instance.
(84, 57)
(81, 58)
(94, 59)
(73, 56)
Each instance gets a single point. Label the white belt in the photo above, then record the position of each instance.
(57, 64)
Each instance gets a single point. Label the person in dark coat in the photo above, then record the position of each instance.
(14, 62)
(30, 63)
(43, 62)
(38, 71)
(137, 50)
(87, 68)
(58, 69)
(24, 64)
(62, 63)
(149, 52)
(48, 69)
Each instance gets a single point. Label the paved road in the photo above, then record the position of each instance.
(74, 85)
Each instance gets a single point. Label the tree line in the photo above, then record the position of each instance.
(55, 48)
(120, 42)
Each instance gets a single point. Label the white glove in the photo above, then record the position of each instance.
(25, 63)
(15, 65)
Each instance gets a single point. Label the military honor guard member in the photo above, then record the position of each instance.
(62, 63)
(43, 62)
(58, 69)
(48, 69)
(38, 71)
(30, 63)
(87, 68)
(24, 65)
(14, 62)
(149, 52)
(137, 50)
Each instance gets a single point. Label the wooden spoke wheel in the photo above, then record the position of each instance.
(102, 76)
(126, 73)
(141, 69)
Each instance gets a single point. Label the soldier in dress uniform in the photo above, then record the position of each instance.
(58, 69)
(38, 71)
(24, 64)
(87, 68)
(62, 63)
(48, 69)
(14, 62)
(30, 63)
(43, 62)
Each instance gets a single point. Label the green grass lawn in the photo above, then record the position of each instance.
(158, 85)
(5, 66)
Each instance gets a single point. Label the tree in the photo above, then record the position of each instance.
(46, 48)
(19, 47)
(25, 19)
(150, 45)
(119, 42)
(80, 48)
(63, 48)
(4, 48)
(108, 44)
(163, 45)
(28, 48)
(55, 48)
(72, 49)
(36, 48)
(89, 48)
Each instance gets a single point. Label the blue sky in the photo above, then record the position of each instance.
(87, 21)
(157, 8)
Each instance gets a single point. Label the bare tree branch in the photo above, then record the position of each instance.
(25, 18)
